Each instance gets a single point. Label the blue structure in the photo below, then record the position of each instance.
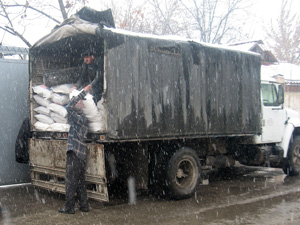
(13, 110)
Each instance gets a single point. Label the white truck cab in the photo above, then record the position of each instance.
(280, 125)
(273, 113)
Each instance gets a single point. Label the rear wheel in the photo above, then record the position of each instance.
(183, 173)
(293, 161)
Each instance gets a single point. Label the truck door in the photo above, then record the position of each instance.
(273, 113)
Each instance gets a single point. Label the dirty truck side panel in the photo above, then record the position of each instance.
(48, 164)
(159, 88)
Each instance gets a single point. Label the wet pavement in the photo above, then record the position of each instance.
(242, 195)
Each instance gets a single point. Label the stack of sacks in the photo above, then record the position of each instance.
(103, 112)
(51, 112)
(96, 118)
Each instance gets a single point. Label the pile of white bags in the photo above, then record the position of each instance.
(51, 113)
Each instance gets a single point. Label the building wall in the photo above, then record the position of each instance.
(13, 109)
(292, 96)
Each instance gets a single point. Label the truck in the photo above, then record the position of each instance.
(175, 109)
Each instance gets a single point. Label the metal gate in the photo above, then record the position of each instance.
(13, 110)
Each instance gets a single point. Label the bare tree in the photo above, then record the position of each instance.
(132, 15)
(141, 16)
(17, 15)
(213, 21)
(284, 35)
(216, 21)
(166, 17)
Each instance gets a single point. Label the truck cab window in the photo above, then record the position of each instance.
(269, 95)
(280, 94)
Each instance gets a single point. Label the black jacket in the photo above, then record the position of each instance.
(92, 74)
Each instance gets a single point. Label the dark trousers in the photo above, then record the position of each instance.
(75, 181)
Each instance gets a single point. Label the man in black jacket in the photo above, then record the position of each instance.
(92, 74)
(76, 156)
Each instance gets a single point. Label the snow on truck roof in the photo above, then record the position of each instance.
(175, 38)
(80, 24)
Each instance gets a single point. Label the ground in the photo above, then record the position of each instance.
(242, 195)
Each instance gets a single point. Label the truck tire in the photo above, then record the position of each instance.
(183, 173)
(293, 160)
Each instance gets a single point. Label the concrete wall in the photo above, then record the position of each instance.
(292, 96)
(292, 100)
(13, 109)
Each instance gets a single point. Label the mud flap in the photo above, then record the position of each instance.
(48, 164)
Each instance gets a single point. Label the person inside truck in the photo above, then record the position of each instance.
(91, 75)
(76, 156)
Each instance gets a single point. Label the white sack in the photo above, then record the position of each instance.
(58, 119)
(42, 90)
(90, 109)
(103, 112)
(60, 110)
(42, 110)
(41, 126)
(95, 127)
(41, 101)
(91, 112)
(63, 88)
(74, 93)
(61, 99)
(59, 127)
(44, 119)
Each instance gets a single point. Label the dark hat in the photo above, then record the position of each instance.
(88, 52)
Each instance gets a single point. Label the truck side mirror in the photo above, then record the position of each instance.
(280, 95)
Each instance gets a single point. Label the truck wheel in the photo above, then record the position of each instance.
(293, 160)
(183, 173)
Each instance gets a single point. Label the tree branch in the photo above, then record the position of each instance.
(62, 9)
(34, 9)
(18, 35)
(6, 14)
(6, 30)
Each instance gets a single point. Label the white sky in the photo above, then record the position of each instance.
(262, 12)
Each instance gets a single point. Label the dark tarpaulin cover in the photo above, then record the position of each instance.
(82, 25)
(93, 16)
(158, 87)
(166, 88)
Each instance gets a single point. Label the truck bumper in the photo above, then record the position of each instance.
(48, 165)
